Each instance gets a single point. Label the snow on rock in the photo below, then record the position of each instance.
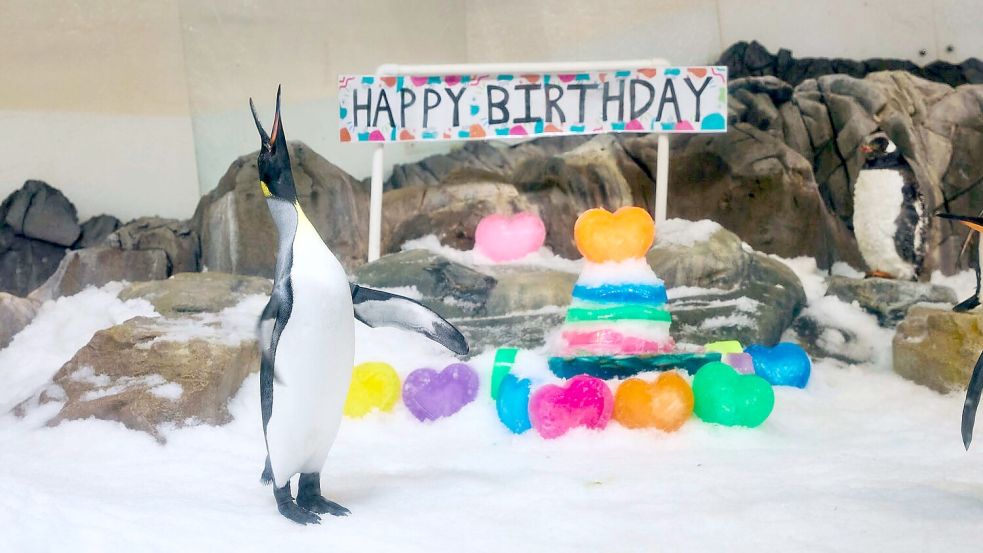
(141, 369)
(60, 328)
(680, 232)
(543, 258)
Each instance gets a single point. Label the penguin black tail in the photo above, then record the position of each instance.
(267, 477)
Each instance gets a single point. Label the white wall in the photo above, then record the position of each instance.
(124, 165)
(135, 108)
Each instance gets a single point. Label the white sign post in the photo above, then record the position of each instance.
(481, 102)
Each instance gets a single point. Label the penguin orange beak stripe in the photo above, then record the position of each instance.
(974, 226)
(276, 128)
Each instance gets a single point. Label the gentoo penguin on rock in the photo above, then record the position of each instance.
(306, 336)
(975, 387)
(889, 216)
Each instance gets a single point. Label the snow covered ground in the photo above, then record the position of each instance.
(861, 460)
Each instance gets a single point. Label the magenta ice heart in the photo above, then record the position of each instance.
(430, 395)
(584, 401)
(504, 238)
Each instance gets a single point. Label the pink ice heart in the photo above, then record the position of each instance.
(503, 238)
(584, 401)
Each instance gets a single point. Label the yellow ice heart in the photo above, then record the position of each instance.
(375, 385)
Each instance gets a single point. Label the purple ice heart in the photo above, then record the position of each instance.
(741, 362)
(430, 395)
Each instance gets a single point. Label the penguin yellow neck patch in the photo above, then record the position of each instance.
(265, 189)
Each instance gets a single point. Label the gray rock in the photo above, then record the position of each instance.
(236, 230)
(96, 230)
(15, 314)
(26, 264)
(888, 299)
(484, 156)
(451, 212)
(451, 289)
(177, 239)
(521, 330)
(598, 173)
(524, 289)
(761, 111)
(719, 262)
(40, 211)
(189, 293)
(741, 179)
(752, 314)
(794, 130)
(778, 90)
(750, 297)
(98, 267)
(517, 305)
(827, 339)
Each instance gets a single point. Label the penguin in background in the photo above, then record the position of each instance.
(889, 216)
(307, 342)
(975, 387)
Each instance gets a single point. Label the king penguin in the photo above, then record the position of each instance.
(975, 387)
(306, 338)
(889, 216)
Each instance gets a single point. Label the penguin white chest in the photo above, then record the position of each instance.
(877, 202)
(313, 360)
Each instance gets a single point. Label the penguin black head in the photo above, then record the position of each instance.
(973, 223)
(275, 177)
(880, 151)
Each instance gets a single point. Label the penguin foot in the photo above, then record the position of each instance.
(309, 497)
(878, 274)
(319, 504)
(285, 504)
(297, 513)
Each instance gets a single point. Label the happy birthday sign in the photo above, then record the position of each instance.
(461, 107)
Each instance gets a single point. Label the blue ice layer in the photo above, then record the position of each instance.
(651, 294)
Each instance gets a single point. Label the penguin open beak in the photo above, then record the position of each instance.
(275, 132)
(268, 141)
(866, 149)
(975, 223)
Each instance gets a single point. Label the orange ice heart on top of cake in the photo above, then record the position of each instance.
(602, 236)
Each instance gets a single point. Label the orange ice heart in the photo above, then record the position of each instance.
(666, 403)
(604, 236)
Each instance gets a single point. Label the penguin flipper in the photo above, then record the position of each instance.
(377, 308)
(973, 392)
(267, 477)
(967, 304)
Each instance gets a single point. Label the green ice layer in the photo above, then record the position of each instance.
(622, 312)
